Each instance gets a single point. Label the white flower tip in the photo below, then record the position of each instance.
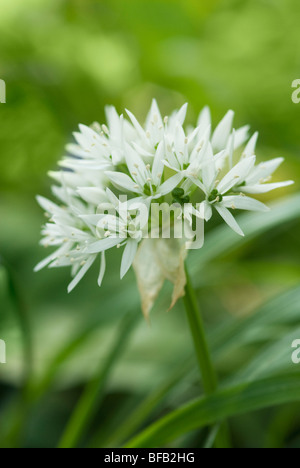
(122, 274)
(82, 127)
(129, 113)
(185, 106)
(39, 199)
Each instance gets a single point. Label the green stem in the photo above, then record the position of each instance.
(207, 371)
(209, 377)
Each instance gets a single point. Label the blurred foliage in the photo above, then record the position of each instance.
(63, 61)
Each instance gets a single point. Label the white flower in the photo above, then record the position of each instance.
(197, 168)
(145, 180)
(259, 177)
(121, 229)
(68, 234)
(149, 137)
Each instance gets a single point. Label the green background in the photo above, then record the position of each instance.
(63, 61)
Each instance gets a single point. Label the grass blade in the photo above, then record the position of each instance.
(229, 402)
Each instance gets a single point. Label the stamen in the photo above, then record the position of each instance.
(105, 129)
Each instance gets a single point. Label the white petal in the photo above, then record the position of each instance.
(154, 114)
(76, 150)
(180, 142)
(263, 171)
(88, 133)
(179, 117)
(264, 188)
(81, 273)
(135, 165)
(204, 119)
(115, 123)
(231, 147)
(170, 184)
(222, 132)
(241, 136)
(205, 210)
(136, 124)
(142, 151)
(200, 185)
(103, 245)
(93, 195)
(158, 164)
(237, 175)
(48, 205)
(209, 172)
(122, 181)
(251, 145)
(228, 218)
(128, 256)
(92, 219)
(102, 269)
(83, 140)
(112, 198)
(244, 203)
(61, 251)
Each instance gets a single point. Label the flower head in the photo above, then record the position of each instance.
(114, 174)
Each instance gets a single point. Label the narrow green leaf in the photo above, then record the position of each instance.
(92, 396)
(224, 404)
(222, 240)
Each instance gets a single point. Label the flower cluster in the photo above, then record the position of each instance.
(199, 169)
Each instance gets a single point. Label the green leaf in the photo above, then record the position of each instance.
(224, 404)
(222, 240)
(91, 398)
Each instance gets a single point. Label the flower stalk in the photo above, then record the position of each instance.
(205, 363)
(208, 374)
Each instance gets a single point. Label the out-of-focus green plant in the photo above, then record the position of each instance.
(62, 62)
